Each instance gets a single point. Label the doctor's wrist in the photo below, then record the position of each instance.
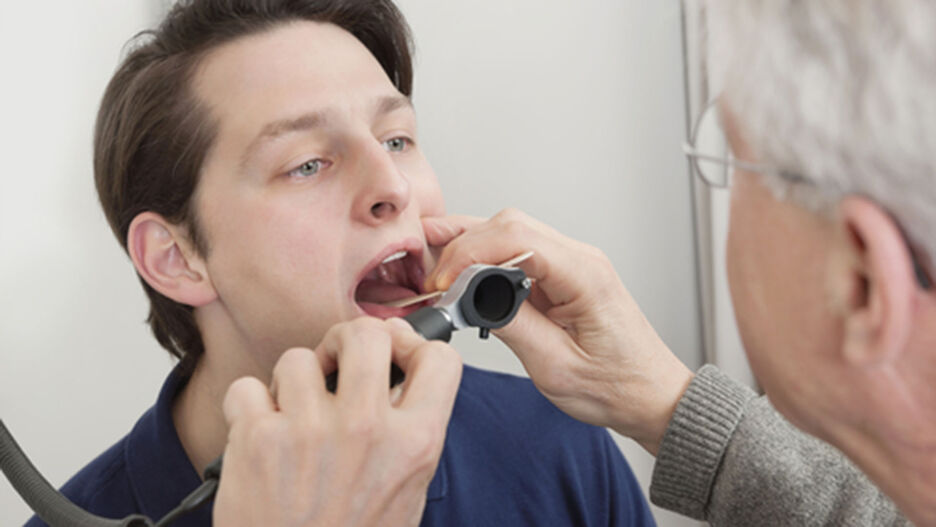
(658, 407)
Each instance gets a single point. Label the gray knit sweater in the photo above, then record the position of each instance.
(728, 457)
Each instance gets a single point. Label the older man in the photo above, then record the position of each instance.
(829, 113)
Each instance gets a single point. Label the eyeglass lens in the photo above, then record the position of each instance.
(710, 140)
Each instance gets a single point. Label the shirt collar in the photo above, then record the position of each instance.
(161, 474)
(159, 469)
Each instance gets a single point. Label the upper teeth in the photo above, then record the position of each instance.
(394, 257)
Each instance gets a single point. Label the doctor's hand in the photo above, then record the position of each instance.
(298, 455)
(581, 337)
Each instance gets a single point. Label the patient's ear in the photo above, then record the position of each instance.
(166, 260)
(874, 286)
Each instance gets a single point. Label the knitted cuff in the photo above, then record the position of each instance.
(695, 441)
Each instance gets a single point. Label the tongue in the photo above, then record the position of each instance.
(379, 292)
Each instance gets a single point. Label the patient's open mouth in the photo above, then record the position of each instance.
(397, 276)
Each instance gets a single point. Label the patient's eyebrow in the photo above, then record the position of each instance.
(272, 130)
(313, 120)
(392, 103)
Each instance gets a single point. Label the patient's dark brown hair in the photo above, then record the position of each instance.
(153, 134)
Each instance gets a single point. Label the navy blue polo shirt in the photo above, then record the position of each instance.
(510, 458)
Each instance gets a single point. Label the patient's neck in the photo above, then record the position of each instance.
(198, 419)
(197, 410)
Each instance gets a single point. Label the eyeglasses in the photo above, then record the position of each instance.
(712, 160)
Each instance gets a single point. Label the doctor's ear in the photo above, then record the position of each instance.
(167, 261)
(875, 286)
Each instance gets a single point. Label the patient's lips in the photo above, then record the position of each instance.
(397, 276)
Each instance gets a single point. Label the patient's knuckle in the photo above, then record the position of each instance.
(368, 324)
(367, 328)
(242, 389)
(334, 332)
(362, 332)
(292, 360)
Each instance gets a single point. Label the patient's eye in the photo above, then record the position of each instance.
(308, 169)
(397, 144)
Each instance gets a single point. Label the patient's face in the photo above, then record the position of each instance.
(314, 179)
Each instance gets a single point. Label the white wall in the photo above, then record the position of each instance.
(571, 111)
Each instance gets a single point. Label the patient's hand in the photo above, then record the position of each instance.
(581, 337)
(298, 455)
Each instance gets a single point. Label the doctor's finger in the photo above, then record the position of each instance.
(441, 230)
(542, 346)
(555, 264)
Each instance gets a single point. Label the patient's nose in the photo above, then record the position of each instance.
(385, 189)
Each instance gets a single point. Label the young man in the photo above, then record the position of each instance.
(258, 160)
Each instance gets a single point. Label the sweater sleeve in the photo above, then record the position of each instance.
(729, 458)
